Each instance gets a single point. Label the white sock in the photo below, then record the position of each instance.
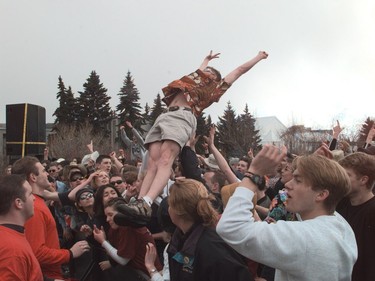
(147, 200)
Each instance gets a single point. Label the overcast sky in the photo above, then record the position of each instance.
(321, 64)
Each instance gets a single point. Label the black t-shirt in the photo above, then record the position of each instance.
(362, 220)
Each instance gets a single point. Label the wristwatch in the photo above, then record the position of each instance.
(259, 181)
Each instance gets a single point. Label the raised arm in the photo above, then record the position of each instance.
(220, 159)
(86, 182)
(135, 133)
(124, 137)
(242, 69)
(207, 59)
(115, 160)
(336, 130)
(370, 136)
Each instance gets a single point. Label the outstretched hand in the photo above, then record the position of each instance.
(262, 55)
(150, 256)
(323, 150)
(211, 136)
(337, 130)
(211, 56)
(90, 146)
(99, 234)
(267, 160)
(129, 124)
(371, 134)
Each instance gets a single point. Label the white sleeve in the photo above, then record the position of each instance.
(256, 240)
(166, 265)
(165, 277)
(157, 277)
(112, 252)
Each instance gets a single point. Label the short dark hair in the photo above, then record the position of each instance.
(26, 166)
(101, 157)
(11, 188)
(246, 159)
(362, 164)
(130, 177)
(220, 178)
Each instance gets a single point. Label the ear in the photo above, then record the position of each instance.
(18, 203)
(322, 195)
(32, 177)
(364, 180)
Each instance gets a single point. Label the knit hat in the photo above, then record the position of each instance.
(73, 169)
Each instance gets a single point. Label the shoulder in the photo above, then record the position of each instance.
(210, 243)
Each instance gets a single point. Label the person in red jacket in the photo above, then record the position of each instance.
(40, 230)
(17, 260)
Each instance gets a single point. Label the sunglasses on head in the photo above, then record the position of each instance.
(76, 179)
(116, 182)
(87, 196)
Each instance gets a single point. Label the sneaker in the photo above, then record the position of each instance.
(135, 214)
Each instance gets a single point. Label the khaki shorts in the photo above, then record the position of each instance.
(177, 126)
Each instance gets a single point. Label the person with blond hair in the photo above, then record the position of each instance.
(195, 251)
(320, 246)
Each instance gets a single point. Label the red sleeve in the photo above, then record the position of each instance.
(41, 232)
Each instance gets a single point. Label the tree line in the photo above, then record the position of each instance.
(91, 109)
(89, 115)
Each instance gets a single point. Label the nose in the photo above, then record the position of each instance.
(288, 185)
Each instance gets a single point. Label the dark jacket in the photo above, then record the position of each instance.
(202, 255)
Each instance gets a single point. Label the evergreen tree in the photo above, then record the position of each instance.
(146, 114)
(248, 136)
(93, 104)
(65, 113)
(227, 133)
(73, 104)
(156, 109)
(129, 107)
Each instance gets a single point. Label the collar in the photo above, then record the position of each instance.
(185, 243)
(40, 196)
(15, 227)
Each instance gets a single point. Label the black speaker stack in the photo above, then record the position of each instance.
(25, 129)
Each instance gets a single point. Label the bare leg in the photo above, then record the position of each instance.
(168, 152)
(154, 155)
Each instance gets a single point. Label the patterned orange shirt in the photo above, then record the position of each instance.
(199, 90)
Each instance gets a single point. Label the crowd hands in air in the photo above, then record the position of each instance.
(156, 210)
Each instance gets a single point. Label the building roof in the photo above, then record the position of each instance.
(270, 128)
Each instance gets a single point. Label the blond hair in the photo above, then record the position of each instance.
(324, 174)
(190, 200)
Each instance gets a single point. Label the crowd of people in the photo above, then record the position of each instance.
(160, 211)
